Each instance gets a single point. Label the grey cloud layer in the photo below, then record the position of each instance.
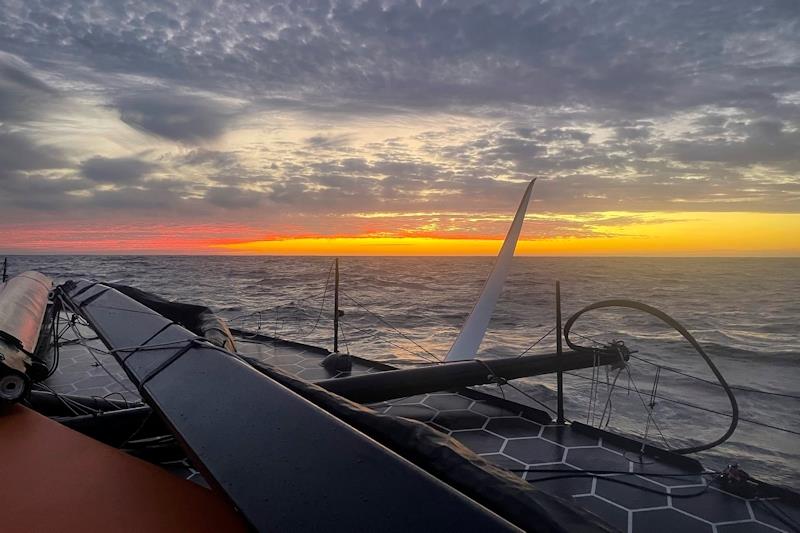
(22, 95)
(18, 152)
(174, 117)
(120, 170)
(549, 75)
(624, 55)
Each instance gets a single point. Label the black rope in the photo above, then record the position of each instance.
(158, 332)
(116, 393)
(56, 336)
(171, 359)
(93, 297)
(86, 288)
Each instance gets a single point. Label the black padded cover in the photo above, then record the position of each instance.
(449, 460)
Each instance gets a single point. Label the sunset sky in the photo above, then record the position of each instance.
(400, 127)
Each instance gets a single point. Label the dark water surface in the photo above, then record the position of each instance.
(745, 312)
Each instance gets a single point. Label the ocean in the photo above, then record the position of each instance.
(745, 312)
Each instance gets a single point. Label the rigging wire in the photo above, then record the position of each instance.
(686, 374)
(285, 303)
(59, 398)
(501, 381)
(608, 406)
(687, 404)
(595, 385)
(736, 387)
(519, 390)
(677, 326)
(91, 351)
(83, 341)
(655, 387)
(344, 338)
(76, 408)
(650, 416)
(137, 430)
(529, 348)
(293, 305)
(116, 393)
(304, 334)
(56, 345)
(596, 381)
(322, 305)
(386, 323)
(374, 335)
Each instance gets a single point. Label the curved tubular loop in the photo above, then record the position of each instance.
(631, 304)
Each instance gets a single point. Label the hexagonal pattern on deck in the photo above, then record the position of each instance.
(86, 368)
(668, 521)
(479, 441)
(461, 419)
(533, 451)
(513, 427)
(551, 457)
(630, 495)
(555, 459)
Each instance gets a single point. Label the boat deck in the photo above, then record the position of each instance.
(644, 493)
(85, 367)
(519, 439)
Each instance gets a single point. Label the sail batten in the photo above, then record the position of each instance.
(469, 339)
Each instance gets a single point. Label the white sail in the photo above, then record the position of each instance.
(469, 339)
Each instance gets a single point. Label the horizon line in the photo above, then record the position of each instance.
(555, 256)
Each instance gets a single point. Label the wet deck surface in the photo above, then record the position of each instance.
(513, 438)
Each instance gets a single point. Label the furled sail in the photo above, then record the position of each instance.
(469, 339)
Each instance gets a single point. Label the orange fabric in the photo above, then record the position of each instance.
(55, 479)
